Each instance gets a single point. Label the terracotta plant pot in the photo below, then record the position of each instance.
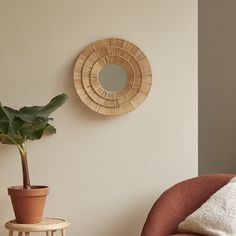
(28, 204)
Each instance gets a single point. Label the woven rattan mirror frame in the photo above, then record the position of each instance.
(112, 51)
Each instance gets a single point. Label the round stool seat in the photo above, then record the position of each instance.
(48, 225)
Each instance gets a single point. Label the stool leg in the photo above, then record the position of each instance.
(11, 233)
(20, 233)
(27, 233)
(63, 232)
(48, 233)
(53, 233)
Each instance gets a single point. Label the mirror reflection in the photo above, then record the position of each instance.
(112, 77)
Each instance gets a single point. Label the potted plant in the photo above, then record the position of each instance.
(16, 127)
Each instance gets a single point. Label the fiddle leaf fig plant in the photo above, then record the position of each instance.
(27, 123)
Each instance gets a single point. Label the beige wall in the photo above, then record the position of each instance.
(112, 169)
(217, 86)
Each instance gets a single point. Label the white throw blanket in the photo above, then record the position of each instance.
(217, 216)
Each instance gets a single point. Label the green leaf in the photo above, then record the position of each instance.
(53, 105)
(31, 130)
(4, 115)
(17, 123)
(5, 140)
(4, 125)
(36, 134)
(29, 114)
(27, 123)
(11, 139)
(10, 123)
(11, 112)
(5, 121)
(50, 129)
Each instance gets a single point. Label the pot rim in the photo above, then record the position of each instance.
(32, 187)
(35, 190)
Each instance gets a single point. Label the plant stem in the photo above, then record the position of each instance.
(24, 163)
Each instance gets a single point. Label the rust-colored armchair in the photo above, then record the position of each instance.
(175, 204)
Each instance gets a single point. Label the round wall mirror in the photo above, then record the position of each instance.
(112, 77)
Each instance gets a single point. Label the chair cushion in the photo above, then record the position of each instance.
(217, 216)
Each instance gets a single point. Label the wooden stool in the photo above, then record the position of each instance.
(48, 225)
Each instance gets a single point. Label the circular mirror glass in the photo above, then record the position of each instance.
(112, 77)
